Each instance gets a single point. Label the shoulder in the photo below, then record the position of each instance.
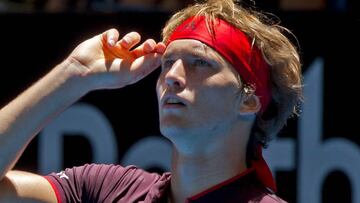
(108, 173)
(97, 181)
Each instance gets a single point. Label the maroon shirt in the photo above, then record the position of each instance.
(114, 183)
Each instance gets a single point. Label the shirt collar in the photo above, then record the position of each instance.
(259, 176)
(241, 188)
(252, 183)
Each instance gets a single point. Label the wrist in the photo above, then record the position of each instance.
(74, 75)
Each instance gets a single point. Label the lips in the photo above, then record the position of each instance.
(172, 101)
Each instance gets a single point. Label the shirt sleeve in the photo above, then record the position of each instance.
(101, 183)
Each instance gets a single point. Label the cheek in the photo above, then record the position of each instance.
(159, 87)
(222, 85)
(220, 98)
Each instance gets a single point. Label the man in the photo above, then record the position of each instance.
(228, 82)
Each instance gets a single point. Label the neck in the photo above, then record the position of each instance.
(192, 174)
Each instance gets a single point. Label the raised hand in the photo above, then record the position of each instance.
(105, 62)
(101, 62)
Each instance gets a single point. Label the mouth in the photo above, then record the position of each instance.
(172, 102)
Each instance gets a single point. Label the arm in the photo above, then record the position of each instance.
(98, 63)
(20, 186)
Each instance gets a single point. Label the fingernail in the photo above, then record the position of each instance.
(126, 40)
(148, 47)
(111, 42)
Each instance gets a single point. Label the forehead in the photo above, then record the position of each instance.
(190, 46)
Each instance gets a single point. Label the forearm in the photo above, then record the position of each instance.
(26, 115)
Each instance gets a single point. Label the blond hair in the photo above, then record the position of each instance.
(277, 50)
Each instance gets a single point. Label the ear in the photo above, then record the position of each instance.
(249, 105)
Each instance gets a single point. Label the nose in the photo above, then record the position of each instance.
(175, 77)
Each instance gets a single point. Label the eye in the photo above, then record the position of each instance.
(201, 63)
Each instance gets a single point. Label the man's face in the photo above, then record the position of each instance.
(198, 91)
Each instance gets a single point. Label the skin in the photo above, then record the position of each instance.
(101, 62)
(211, 130)
(209, 134)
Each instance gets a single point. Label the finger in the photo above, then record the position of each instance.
(110, 36)
(119, 52)
(144, 65)
(145, 48)
(130, 40)
(160, 48)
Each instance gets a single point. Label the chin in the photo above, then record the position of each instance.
(183, 141)
(170, 130)
(176, 133)
(171, 124)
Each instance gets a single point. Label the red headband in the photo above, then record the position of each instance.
(235, 47)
